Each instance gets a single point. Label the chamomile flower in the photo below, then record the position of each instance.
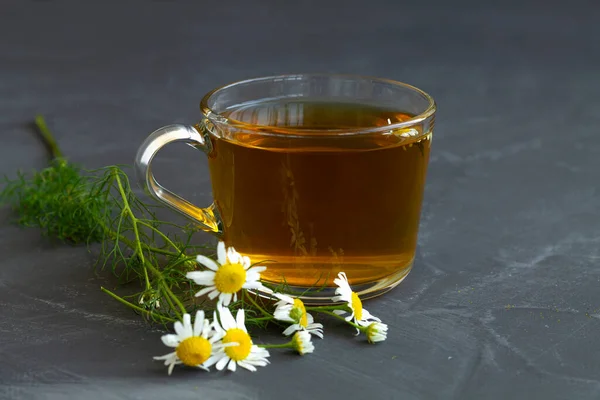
(302, 344)
(376, 332)
(358, 314)
(193, 345)
(225, 279)
(245, 354)
(292, 310)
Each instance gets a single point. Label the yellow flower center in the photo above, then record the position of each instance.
(372, 331)
(241, 351)
(357, 306)
(297, 343)
(194, 351)
(230, 278)
(299, 306)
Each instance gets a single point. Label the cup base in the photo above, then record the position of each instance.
(324, 295)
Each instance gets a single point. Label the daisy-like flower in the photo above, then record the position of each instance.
(376, 332)
(292, 310)
(193, 345)
(232, 273)
(358, 314)
(302, 344)
(245, 354)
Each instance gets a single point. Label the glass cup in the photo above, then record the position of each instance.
(312, 174)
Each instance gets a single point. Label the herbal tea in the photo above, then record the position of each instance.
(325, 203)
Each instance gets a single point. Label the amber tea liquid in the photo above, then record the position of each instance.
(320, 204)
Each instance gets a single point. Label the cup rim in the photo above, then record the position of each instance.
(270, 130)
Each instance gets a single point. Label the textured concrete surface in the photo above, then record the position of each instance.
(503, 301)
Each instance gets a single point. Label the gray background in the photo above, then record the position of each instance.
(503, 301)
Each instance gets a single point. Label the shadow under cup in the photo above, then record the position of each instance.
(313, 175)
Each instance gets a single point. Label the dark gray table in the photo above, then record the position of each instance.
(503, 301)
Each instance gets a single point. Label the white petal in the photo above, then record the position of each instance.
(207, 262)
(206, 330)
(213, 294)
(218, 335)
(170, 340)
(187, 320)
(230, 320)
(252, 276)
(316, 332)
(283, 314)
(225, 298)
(168, 358)
(222, 363)
(315, 326)
(265, 289)
(339, 312)
(239, 319)
(246, 262)
(249, 367)
(213, 359)
(347, 298)
(221, 253)
(342, 282)
(258, 352)
(187, 327)
(285, 298)
(253, 285)
(205, 290)
(257, 268)
(178, 326)
(199, 323)
(291, 329)
(170, 370)
(261, 362)
(233, 256)
(227, 321)
(367, 315)
(228, 344)
(282, 306)
(202, 277)
(232, 365)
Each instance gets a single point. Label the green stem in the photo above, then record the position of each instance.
(167, 289)
(255, 303)
(137, 242)
(360, 328)
(261, 319)
(288, 345)
(132, 245)
(138, 247)
(328, 308)
(160, 251)
(40, 123)
(175, 298)
(162, 235)
(171, 305)
(139, 309)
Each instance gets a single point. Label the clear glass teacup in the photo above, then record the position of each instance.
(313, 174)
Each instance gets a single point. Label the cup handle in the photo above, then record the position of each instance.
(208, 218)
